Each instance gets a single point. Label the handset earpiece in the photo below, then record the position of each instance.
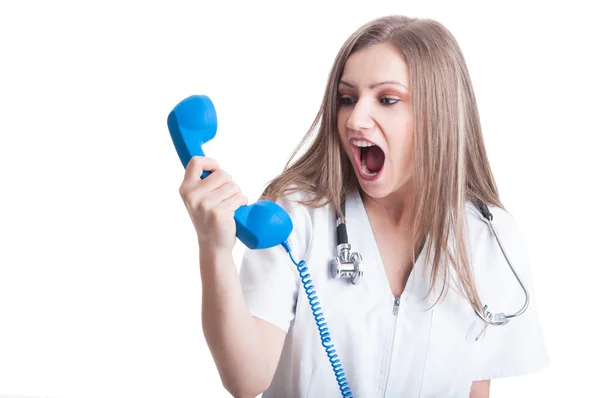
(192, 123)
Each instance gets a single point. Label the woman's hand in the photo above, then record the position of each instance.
(211, 203)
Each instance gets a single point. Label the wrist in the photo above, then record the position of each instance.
(211, 254)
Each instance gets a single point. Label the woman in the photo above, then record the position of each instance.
(399, 142)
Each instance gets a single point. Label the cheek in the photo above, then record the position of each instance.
(402, 153)
(401, 146)
(341, 133)
(342, 121)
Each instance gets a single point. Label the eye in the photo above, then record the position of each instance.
(346, 100)
(389, 100)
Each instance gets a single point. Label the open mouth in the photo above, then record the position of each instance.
(369, 157)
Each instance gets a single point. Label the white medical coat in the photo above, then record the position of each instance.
(414, 351)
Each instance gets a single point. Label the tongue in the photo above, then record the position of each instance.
(374, 158)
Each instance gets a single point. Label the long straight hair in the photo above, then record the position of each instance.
(451, 166)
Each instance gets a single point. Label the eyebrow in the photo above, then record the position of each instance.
(372, 86)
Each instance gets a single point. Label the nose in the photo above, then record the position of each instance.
(361, 117)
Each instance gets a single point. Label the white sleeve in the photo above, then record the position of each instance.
(270, 280)
(517, 348)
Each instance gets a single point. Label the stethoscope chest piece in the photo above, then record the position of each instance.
(346, 265)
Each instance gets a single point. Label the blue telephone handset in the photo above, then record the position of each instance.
(262, 225)
(192, 123)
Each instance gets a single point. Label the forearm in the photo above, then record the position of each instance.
(480, 389)
(230, 330)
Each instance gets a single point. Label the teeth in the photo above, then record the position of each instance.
(365, 169)
(362, 144)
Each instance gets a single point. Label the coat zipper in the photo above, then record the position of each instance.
(391, 358)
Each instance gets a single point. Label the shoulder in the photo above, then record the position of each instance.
(297, 203)
(504, 224)
(308, 220)
(501, 218)
(494, 248)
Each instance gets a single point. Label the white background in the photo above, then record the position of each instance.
(99, 280)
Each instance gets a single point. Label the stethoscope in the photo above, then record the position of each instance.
(348, 264)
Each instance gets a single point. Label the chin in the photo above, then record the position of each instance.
(377, 186)
(376, 191)
(381, 186)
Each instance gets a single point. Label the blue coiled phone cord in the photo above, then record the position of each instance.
(321, 324)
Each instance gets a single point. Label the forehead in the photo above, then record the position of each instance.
(376, 63)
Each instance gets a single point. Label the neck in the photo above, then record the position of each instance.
(397, 207)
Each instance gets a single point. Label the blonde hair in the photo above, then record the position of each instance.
(450, 163)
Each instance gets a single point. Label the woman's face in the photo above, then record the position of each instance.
(375, 120)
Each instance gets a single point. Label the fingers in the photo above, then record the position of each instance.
(221, 194)
(235, 201)
(196, 166)
(208, 194)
